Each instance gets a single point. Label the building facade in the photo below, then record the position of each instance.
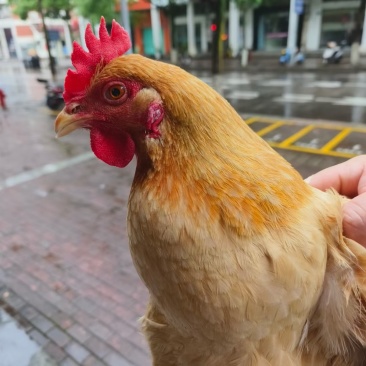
(329, 20)
(150, 29)
(267, 28)
(308, 24)
(22, 39)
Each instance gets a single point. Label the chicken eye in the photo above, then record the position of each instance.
(116, 92)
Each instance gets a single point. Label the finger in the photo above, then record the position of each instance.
(348, 178)
(327, 178)
(354, 219)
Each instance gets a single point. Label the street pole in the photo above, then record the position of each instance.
(156, 29)
(125, 17)
(192, 51)
(293, 25)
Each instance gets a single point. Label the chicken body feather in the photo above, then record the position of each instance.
(245, 263)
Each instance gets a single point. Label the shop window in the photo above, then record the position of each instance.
(272, 31)
(337, 25)
(181, 38)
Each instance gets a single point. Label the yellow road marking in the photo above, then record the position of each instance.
(296, 136)
(287, 144)
(312, 151)
(265, 119)
(251, 120)
(270, 128)
(336, 140)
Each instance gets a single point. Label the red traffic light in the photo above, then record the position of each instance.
(213, 27)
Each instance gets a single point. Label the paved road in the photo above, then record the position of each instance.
(65, 268)
(313, 96)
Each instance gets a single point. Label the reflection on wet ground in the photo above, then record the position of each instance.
(16, 348)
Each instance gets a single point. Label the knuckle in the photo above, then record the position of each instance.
(354, 218)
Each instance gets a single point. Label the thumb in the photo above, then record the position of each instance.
(354, 219)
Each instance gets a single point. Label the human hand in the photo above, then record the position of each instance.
(349, 179)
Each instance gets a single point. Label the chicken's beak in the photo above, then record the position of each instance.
(66, 123)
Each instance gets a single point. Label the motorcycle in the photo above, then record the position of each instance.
(333, 53)
(54, 91)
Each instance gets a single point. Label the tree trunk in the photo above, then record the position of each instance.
(52, 60)
(217, 45)
(223, 7)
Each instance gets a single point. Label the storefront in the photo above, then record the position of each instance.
(272, 30)
(337, 23)
(141, 13)
(329, 20)
(271, 26)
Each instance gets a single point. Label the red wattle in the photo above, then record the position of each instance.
(114, 149)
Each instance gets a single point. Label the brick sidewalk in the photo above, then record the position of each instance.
(65, 268)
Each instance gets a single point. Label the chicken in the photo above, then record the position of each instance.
(245, 263)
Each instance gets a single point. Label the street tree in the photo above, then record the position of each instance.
(219, 7)
(93, 9)
(51, 8)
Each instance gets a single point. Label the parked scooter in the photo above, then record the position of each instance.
(333, 53)
(54, 98)
(286, 57)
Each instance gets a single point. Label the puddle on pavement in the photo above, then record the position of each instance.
(16, 348)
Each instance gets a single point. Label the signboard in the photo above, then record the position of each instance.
(299, 7)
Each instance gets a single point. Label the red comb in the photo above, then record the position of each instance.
(101, 51)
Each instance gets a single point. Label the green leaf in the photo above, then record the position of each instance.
(51, 8)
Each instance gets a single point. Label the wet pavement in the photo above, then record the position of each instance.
(66, 275)
(315, 96)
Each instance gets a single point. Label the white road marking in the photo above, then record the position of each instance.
(354, 150)
(295, 98)
(326, 100)
(276, 137)
(276, 82)
(354, 85)
(206, 80)
(324, 84)
(352, 101)
(236, 82)
(242, 94)
(44, 170)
